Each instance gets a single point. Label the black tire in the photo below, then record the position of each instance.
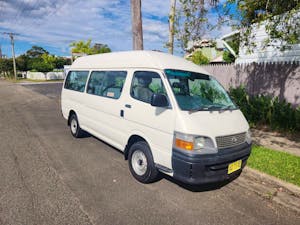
(143, 172)
(75, 129)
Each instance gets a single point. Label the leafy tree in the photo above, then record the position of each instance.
(86, 47)
(36, 52)
(22, 62)
(82, 47)
(61, 61)
(38, 64)
(191, 21)
(234, 44)
(100, 48)
(281, 20)
(6, 67)
(228, 57)
(199, 59)
(49, 59)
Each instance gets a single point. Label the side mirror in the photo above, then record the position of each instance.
(159, 100)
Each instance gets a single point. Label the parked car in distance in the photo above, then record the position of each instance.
(165, 113)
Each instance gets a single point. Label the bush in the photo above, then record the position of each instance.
(265, 110)
(199, 59)
(228, 57)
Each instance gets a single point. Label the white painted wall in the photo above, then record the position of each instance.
(268, 54)
(45, 76)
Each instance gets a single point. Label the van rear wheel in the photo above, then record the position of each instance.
(141, 164)
(76, 131)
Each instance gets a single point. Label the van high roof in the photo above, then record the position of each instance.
(135, 59)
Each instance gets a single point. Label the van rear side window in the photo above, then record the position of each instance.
(106, 83)
(76, 80)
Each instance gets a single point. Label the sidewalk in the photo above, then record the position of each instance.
(277, 141)
(269, 187)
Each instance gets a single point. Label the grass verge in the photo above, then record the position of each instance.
(278, 164)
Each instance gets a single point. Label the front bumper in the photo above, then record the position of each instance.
(212, 168)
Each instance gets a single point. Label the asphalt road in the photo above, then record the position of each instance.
(49, 177)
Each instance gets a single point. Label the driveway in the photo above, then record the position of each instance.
(49, 177)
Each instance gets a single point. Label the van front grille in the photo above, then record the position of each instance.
(230, 140)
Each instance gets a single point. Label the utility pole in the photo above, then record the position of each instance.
(0, 52)
(137, 27)
(171, 26)
(11, 36)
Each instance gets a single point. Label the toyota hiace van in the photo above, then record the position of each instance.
(165, 113)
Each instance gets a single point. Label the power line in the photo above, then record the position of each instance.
(11, 36)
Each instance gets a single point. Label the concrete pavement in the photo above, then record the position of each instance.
(48, 177)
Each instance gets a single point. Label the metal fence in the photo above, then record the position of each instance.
(280, 79)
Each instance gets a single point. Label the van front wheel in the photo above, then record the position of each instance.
(76, 131)
(141, 163)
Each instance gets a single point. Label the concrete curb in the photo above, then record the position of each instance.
(290, 187)
(272, 188)
(42, 82)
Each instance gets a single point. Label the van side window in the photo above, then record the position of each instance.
(145, 84)
(76, 80)
(106, 83)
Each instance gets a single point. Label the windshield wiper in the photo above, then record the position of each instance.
(210, 108)
(198, 109)
(227, 107)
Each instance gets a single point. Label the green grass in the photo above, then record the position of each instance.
(278, 164)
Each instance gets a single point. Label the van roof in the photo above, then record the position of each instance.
(135, 59)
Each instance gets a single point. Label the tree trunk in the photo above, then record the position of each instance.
(171, 26)
(137, 29)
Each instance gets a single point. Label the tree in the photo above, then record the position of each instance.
(82, 47)
(171, 26)
(6, 67)
(191, 20)
(234, 44)
(22, 62)
(280, 18)
(199, 59)
(86, 47)
(61, 61)
(101, 48)
(36, 52)
(41, 66)
(137, 27)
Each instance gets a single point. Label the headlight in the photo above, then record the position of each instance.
(248, 137)
(194, 143)
(203, 142)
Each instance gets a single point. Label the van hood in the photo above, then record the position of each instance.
(211, 123)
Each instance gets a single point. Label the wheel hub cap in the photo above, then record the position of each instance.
(73, 126)
(139, 162)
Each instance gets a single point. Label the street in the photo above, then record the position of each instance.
(49, 177)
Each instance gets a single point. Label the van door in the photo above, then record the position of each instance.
(155, 124)
(103, 101)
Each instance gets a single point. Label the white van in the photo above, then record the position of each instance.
(165, 113)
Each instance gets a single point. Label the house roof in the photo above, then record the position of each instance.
(135, 59)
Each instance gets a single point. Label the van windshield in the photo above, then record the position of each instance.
(198, 92)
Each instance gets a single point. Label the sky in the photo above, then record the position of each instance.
(54, 24)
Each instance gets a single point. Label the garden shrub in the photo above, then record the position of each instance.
(266, 110)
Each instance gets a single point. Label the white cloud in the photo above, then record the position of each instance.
(57, 23)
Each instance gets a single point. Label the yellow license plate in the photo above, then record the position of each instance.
(232, 167)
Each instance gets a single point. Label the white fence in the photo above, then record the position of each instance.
(45, 76)
(275, 79)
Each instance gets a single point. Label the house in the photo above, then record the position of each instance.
(261, 53)
(212, 49)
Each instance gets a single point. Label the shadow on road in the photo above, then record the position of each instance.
(199, 188)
